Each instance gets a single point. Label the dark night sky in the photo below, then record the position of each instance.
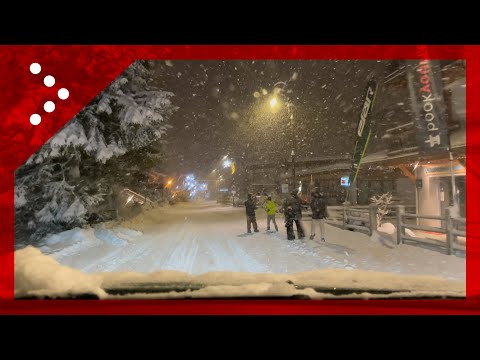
(219, 112)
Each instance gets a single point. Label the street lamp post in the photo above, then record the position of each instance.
(293, 144)
(289, 104)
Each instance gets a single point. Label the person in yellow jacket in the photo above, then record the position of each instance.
(271, 210)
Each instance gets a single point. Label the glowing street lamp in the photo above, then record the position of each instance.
(273, 102)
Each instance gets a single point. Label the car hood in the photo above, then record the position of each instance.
(317, 284)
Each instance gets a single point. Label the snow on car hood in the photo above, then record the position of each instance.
(38, 275)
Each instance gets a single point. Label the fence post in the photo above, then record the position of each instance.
(344, 216)
(400, 212)
(449, 231)
(373, 218)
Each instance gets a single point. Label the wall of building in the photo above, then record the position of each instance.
(405, 191)
(428, 197)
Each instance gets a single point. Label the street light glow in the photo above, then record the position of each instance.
(227, 163)
(273, 102)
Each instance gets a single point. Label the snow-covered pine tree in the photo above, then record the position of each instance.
(382, 202)
(115, 136)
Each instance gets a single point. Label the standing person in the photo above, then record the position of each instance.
(289, 218)
(297, 209)
(250, 207)
(319, 213)
(292, 208)
(271, 210)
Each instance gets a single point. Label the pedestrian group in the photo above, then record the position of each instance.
(292, 210)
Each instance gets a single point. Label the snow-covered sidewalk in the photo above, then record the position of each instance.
(197, 238)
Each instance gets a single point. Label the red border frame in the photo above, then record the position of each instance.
(86, 70)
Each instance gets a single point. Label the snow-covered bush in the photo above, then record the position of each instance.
(382, 202)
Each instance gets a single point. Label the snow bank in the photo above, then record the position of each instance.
(109, 237)
(387, 228)
(68, 238)
(413, 234)
(390, 229)
(70, 241)
(40, 275)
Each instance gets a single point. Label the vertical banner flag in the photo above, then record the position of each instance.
(363, 130)
(426, 97)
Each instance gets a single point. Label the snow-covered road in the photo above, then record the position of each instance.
(204, 237)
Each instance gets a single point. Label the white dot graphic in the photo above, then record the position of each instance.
(63, 93)
(49, 106)
(35, 68)
(35, 119)
(49, 81)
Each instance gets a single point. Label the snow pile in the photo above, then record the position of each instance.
(40, 275)
(67, 239)
(387, 228)
(109, 237)
(413, 234)
(70, 242)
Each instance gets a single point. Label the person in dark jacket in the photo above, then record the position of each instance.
(289, 218)
(292, 208)
(250, 207)
(319, 213)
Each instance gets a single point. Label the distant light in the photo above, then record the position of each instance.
(344, 181)
(227, 163)
(416, 164)
(273, 102)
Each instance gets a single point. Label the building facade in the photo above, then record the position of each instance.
(393, 161)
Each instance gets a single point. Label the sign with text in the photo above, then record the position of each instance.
(363, 130)
(426, 98)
